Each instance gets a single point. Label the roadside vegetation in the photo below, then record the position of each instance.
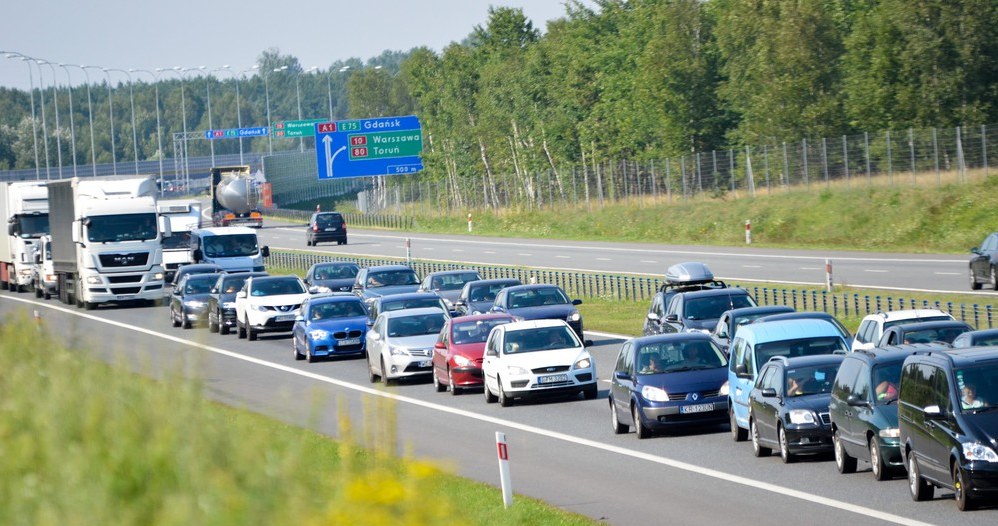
(83, 442)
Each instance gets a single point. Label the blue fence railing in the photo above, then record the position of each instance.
(636, 288)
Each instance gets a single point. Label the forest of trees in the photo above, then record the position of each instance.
(637, 79)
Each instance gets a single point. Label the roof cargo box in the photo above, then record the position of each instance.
(688, 274)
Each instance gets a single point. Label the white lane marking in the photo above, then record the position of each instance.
(648, 261)
(488, 252)
(948, 273)
(676, 464)
(669, 252)
(751, 266)
(603, 259)
(876, 270)
(522, 254)
(563, 257)
(457, 250)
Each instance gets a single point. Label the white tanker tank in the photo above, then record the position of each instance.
(234, 197)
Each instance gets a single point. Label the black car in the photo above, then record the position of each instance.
(924, 332)
(332, 275)
(981, 338)
(679, 278)
(222, 300)
(189, 299)
(730, 320)
(788, 406)
(326, 226)
(539, 302)
(409, 300)
(477, 297)
(808, 315)
(195, 268)
(701, 309)
(864, 411)
(984, 263)
(948, 423)
(383, 280)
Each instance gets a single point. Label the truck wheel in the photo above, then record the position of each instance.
(89, 305)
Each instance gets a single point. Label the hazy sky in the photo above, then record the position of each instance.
(139, 34)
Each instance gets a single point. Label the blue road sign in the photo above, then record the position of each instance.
(365, 147)
(235, 133)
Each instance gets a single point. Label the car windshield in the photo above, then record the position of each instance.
(390, 278)
(231, 245)
(412, 303)
(540, 339)
(934, 335)
(810, 380)
(277, 287)
(198, 286)
(232, 285)
(335, 272)
(423, 324)
(474, 331)
(337, 309)
(537, 298)
(712, 307)
(978, 386)
(799, 347)
(452, 281)
(486, 292)
(677, 356)
(121, 227)
(177, 240)
(886, 379)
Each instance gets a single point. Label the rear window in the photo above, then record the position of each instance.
(889, 324)
(327, 220)
(799, 347)
(414, 303)
(714, 306)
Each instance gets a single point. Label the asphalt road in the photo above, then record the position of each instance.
(562, 451)
(907, 272)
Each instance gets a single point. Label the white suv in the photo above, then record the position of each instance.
(873, 325)
(268, 304)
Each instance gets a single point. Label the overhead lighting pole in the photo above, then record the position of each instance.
(55, 103)
(131, 98)
(110, 112)
(34, 119)
(266, 90)
(159, 129)
(72, 126)
(90, 113)
(41, 98)
(301, 140)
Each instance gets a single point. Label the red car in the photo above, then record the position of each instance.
(457, 355)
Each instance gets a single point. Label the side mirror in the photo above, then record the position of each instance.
(975, 250)
(439, 345)
(856, 401)
(741, 371)
(197, 255)
(164, 226)
(672, 318)
(491, 352)
(576, 302)
(653, 316)
(622, 375)
(241, 294)
(265, 251)
(460, 303)
(38, 258)
(588, 343)
(933, 412)
(214, 290)
(373, 335)
(768, 392)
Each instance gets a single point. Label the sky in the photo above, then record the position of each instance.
(139, 34)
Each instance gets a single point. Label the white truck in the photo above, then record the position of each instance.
(106, 240)
(24, 206)
(42, 271)
(184, 216)
(234, 248)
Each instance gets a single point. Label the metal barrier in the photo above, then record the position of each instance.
(635, 288)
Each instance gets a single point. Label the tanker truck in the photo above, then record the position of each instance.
(234, 197)
(106, 238)
(24, 207)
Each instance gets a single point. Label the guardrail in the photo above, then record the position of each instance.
(394, 222)
(636, 288)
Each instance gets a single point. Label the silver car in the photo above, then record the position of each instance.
(400, 343)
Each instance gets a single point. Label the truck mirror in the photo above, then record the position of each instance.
(10, 229)
(164, 226)
(197, 255)
(265, 251)
(76, 231)
(38, 258)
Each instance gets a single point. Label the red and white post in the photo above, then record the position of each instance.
(408, 251)
(748, 231)
(507, 485)
(469, 221)
(828, 275)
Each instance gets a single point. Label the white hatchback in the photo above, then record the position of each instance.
(536, 358)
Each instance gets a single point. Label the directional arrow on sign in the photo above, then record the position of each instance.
(328, 142)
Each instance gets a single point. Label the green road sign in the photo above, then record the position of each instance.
(305, 128)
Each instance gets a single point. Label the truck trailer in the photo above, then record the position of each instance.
(24, 207)
(234, 197)
(106, 240)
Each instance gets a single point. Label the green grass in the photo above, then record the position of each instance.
(83, 442)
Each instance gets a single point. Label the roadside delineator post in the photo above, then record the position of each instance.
(469, 221)
(507, 486)
(828, 275)
(748, 231)
(408, 251)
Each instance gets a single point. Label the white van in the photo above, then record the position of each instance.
(234, 248)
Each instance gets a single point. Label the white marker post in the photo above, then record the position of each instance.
(748, 232)
(828, 275)
(469, 221)
(507, 486)
(408, 251)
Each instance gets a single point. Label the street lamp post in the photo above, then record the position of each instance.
(41, 98)
(211, 127)
(329, 88)
(90, 113)
(34, 119)
(270, 126)
(55, 103)
(131, 98)
(301, 140)
(159, 130)
(239, 115)
(183, 108)
(110, 111)
(72, 126)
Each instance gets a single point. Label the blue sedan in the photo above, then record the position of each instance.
(334, 325)
(668, 380)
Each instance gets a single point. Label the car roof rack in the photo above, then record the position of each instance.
(696, 276)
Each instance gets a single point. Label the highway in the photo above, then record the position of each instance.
(562, 451)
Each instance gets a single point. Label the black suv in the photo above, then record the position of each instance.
(984, 263)
(680, 279)
(924, 332)
(948, 423)
(326, 226)
(864, 410)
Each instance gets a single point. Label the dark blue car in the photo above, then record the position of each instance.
(329, 325)
(539, 302)
(666, 381)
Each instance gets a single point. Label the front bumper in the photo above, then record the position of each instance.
(532, 384)
(706, 411)
(982, 478)
(809, 439)
(469, 376)
(403, 365)
(337, 347)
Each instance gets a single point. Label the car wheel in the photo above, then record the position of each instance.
(451, 386)
(785, 454)
(371, 377)
(173, 319)
(994, 277)
(251, 335)
(222, 328)
(591, 392)
(757, 448)
(640, 430)
(212, 327)
(436, 383)
(38, 292)
(504, 400)
(877, 465)
(737, 434)
(843, 462)
(240, 329)
(919, 488)
(308, 353)
(184, 322)
(489, 397)
(974, 285)
(615, 424)
(961, 493)
(384, 373)
(294, 349)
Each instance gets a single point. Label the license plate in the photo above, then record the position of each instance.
(425, 363)
(552, 379)
(125, 296)
(285, 317)
(352, 341)
(697, 408)
(334, 229)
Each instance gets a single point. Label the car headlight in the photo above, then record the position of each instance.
(318, 334)
(724, 389)
(195, 304)
(93, 280)
(228, 305)
(157, 276)
(261, 308)
(575, 316)
(462, 361)
(513, 369)
(397, 350)
(979, 451)
(654, 394)
(801, 416)
(584, 363)
(890, 432)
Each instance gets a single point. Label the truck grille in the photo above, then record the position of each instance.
(124, 260)
(131, 278)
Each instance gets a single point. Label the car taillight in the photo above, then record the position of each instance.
(315, 228)
(344, 224)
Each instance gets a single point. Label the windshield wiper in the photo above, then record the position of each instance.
(984, 409)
